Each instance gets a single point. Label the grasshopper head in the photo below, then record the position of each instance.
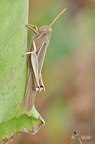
(45, 32)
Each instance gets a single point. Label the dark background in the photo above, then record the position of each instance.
(68, 103)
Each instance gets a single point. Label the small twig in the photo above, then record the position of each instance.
(79, 138)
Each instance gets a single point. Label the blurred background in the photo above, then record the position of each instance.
(68, 103)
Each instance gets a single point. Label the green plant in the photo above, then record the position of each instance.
(13, 71)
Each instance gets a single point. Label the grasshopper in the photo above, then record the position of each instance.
(36, 57)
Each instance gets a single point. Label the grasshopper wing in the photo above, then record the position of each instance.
(30, 93)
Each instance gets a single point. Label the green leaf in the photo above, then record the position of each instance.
(13, 70)
(26, 123)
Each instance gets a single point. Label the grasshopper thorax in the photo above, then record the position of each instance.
(45, 28)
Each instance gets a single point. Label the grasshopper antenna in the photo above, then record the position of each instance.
(57, 17)
(76, 134)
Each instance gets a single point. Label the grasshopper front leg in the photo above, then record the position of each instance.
(33, 27)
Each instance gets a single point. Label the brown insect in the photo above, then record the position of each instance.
(36, 57)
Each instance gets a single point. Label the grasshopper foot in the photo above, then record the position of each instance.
(37, 89)
(42, 88)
